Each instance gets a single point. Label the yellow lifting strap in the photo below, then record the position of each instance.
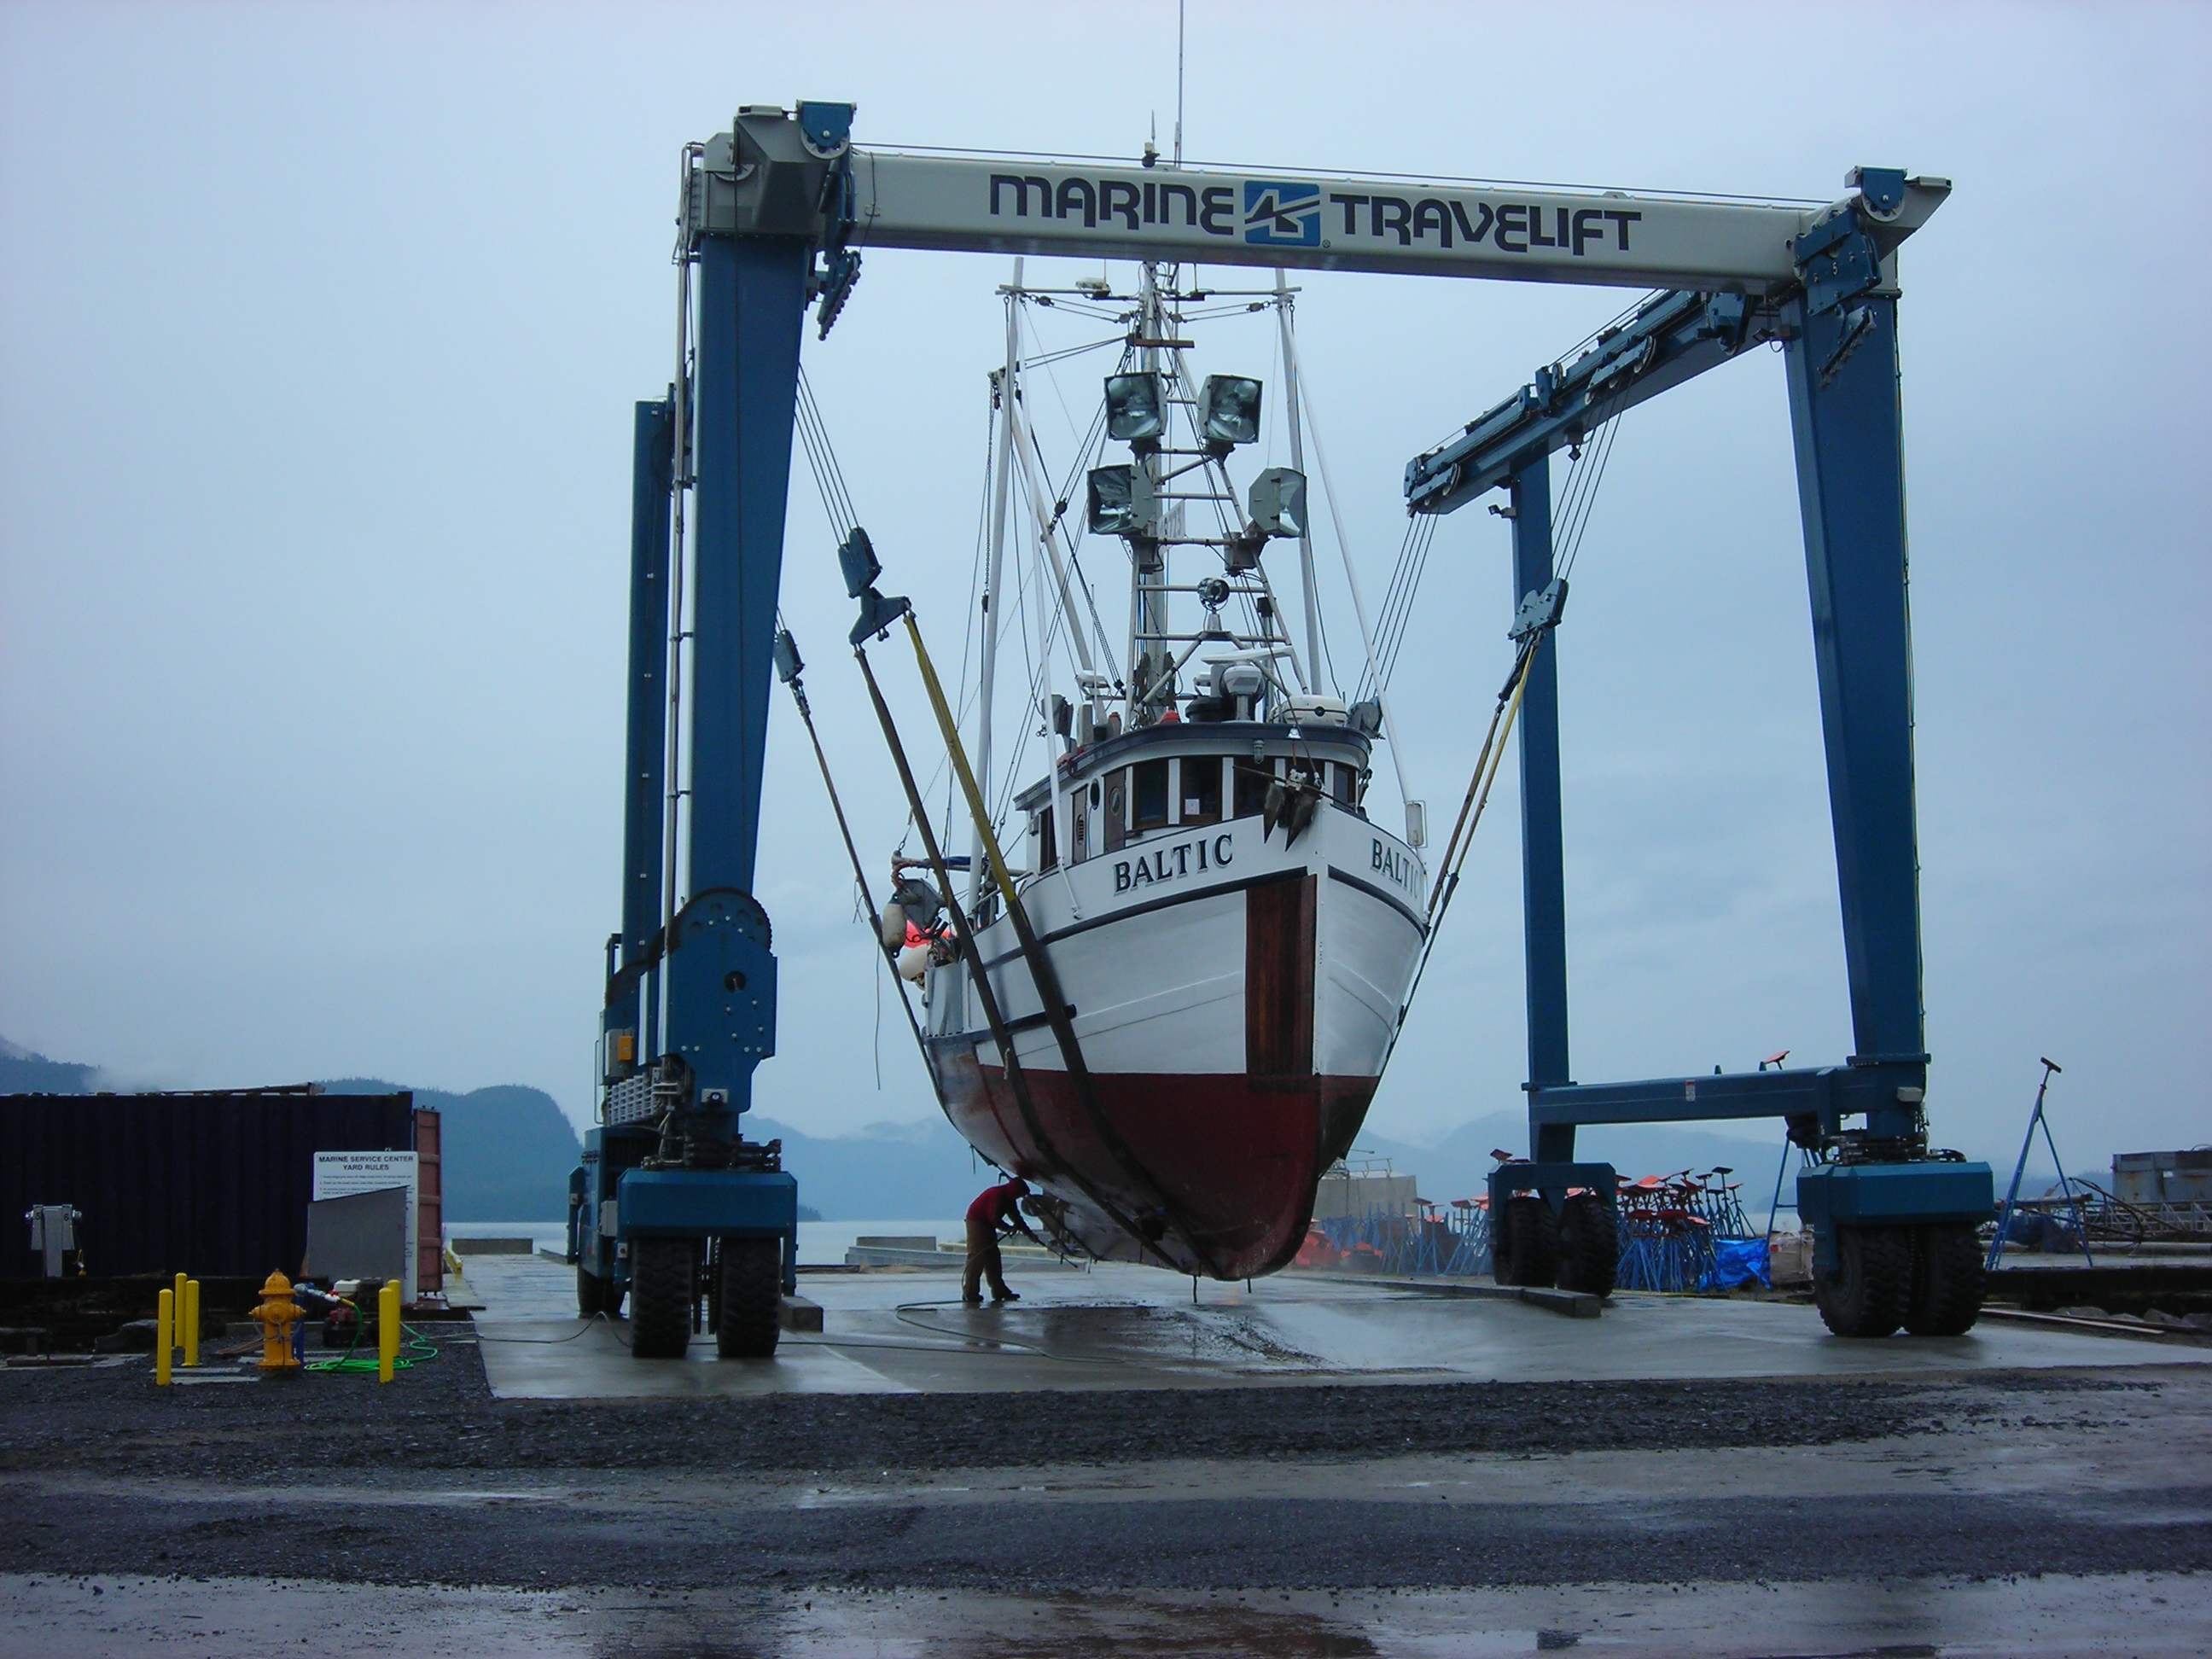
(1477, 786)
(958, 752)
(1470, 807)
(1047, 980)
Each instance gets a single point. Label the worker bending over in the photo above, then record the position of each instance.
(997, 1209)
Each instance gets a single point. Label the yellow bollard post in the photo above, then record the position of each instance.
(177, 1330)
(191, 1344)
(164, 1325)
(387, 1330)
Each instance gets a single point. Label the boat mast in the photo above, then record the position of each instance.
(1148, 611)
(1416, 812)
(1298, 464)
(979, 856)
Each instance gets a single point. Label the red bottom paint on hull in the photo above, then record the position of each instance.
(1235, 1157)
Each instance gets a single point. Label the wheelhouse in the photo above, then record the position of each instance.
(1124, 789)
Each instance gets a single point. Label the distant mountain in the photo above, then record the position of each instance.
(506, 1151)
(918, 1171)
(509, 1150)
(23, 1072)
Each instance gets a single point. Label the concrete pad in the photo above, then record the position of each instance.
(575, 1359)
(886, 1255)
(2134, 1613)
(1573, 1304)
(1118, 1327)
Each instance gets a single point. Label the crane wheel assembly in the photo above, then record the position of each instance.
(660, 1298)
(1866, 1292)
(1948, 1280)
(1590, 1245)
(1528, 1246)
(748, 1274)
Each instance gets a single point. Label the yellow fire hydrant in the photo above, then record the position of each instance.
(277, 1316)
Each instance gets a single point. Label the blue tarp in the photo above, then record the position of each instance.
(1737, 1262)
(2036, 1230)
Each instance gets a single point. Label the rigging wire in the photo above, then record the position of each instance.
(1047, 617)
(1585, 474)
(1078, 308)
(813, 433)
(1395, 638)
(1486, 763)
(1094, 436)
(971, 646)
(1398, 598)
(1092, 439)
(1044, 359)
(1603, 447)
(822, 457)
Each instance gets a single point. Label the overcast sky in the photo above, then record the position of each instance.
(319, 332)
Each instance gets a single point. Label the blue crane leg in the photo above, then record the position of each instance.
(1851, 486)
(1543, 876)
(751, 300)
(651, 481)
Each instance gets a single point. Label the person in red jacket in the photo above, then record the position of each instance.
(996, 1210)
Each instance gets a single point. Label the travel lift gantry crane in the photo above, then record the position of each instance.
(776, 213)
(1894, 1224)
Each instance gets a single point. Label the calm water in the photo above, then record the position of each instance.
(820, 1241)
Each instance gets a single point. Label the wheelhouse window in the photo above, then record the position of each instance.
(1201, 788)
(1252, 781)
(1042, 828)
(1115, 814)
(1344, 782)
(1151, 784)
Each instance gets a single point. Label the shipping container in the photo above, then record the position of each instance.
(2163, 1178)
(213, 1183)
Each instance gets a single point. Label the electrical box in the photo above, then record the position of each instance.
(53, 1236)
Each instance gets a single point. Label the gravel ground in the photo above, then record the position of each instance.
(440, 1416)
(1077, 1547)
(432, 1480)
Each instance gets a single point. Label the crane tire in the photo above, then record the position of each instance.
(1526, 1250)
(591, 1294)
(659, 1297)
(752, 1297)
(1590, 1245)
(1867, 1293)
(1947, 1279)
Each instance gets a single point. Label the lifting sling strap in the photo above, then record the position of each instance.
(837, 806)
(1047, 978)
(1471, 806)
(1016, 1079)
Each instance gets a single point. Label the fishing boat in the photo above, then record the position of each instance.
(1230, 930)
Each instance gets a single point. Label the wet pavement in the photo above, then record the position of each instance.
(2148, 1615)
(1316, 1466)
(1118, 1327)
